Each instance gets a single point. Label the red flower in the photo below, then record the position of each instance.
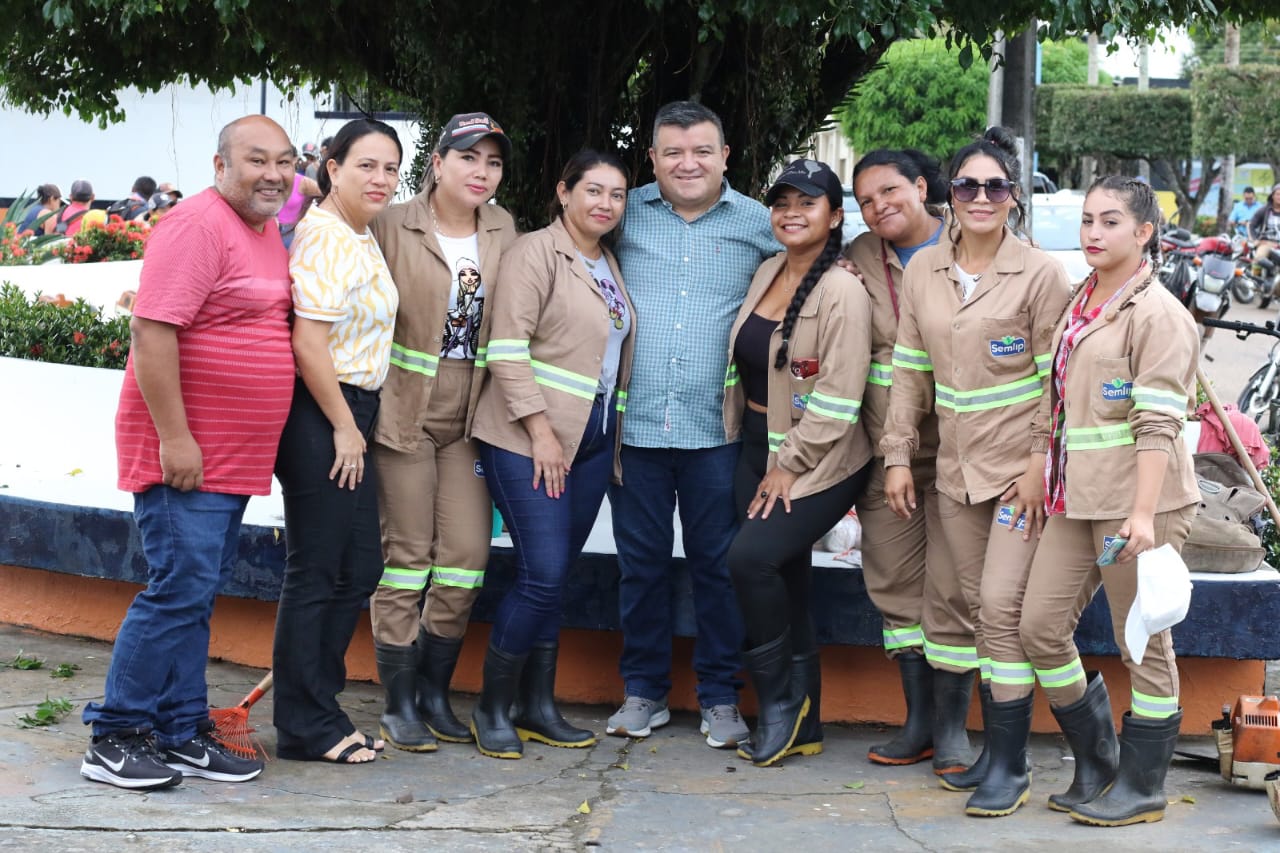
(79, 337)
(36, 349)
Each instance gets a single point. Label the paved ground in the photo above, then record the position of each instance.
(669, 792)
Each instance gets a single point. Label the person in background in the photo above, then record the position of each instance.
(344, 306)
(309, 164)
(301, 194)
(1264, 227)
(906, 562)
(976, 323)
(158, 205)
(47, 203)
(800, 352)
(547, 423)
(169, 188)
(443, 246)
(1116, 471)
(134, 207)
(206, 392)
(1243, 210)
(688, 251)
(71, 219)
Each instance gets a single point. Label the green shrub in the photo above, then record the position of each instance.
(60, 331)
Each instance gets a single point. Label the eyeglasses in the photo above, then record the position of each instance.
(966, 189)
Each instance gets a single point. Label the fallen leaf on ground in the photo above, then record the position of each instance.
(585, 808)
(854, 785)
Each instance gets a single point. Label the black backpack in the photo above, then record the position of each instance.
(126, 208)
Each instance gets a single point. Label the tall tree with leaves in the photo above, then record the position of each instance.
(557, 74)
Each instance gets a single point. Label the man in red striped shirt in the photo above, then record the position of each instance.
(205, 396)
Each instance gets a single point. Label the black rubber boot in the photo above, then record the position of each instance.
(1137, 796)
(437, 658)
(1007, 784)
(915, 742)
(400, 724)
(491, 724)
(536, 716)
(782, 706)
(968, 780)
(952, 694)
(806, 679)
(1092, 736)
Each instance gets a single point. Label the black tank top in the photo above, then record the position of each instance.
(751, 352)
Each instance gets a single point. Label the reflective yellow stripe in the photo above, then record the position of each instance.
(507, 350)
(1096, 438)
(881, 374)
(1158, 707)
(621, 404)
(837, 408)
(412, 360)
(1044, 364)
(984, 664)
(1012, 672)
(983, 399)
(1061, 676)
(731, 375)
(775, 441)
(481, 360)
(913, 359)
(462, 578)
(903, 638)
(965, 656)
(1155, 400)
(560, 379)
(401, 578)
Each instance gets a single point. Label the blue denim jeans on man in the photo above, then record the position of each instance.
(547, 533)
(643, 509)
(157, 675)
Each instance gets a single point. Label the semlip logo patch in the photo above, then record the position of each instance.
(1117, 389)
(1004, 516)
(1008, 345)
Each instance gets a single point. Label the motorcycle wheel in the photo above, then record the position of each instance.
(1266, 300)
(1243, 290)
(1260, 403)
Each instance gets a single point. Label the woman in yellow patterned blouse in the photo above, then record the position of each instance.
(344, 311)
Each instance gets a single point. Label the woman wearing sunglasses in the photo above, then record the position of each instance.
(974, 337)
(927, 629)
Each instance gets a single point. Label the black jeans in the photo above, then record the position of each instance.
(770, 558)
(333, 564)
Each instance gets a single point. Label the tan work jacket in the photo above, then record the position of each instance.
(547, 345)
(406, 233)
(1129, 382)
(981, 365)
(870, 254)
(814, 422)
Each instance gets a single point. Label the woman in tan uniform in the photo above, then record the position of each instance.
(800, 351)
(927, 629)
(974, 333)
(443, 246)
(1125, 355)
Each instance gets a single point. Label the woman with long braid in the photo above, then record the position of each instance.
(799, 354)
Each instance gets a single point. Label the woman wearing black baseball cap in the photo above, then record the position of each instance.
(799, 355)
(443, 247)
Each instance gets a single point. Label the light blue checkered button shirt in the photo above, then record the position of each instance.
(687, 281)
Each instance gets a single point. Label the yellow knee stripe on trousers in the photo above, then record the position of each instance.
(911, 636)
(984, 667)
(452, 576)
(1061, 676)
(1012, 672)
(401, 578)
(1156, 707)
(964, 656)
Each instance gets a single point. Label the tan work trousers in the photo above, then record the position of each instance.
(1064, 577)
(436, 521)
(992, 563)
(907, 568)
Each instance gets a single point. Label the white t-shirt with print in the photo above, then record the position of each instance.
(461, 337)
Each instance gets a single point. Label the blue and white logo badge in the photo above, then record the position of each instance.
(479, 469)
(1007, 346)
(799, 401)
(1005, 515)
(1117, 389)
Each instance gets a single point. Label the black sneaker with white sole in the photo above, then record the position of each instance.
(205, 757)
(127, 758)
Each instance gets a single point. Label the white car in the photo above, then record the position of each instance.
(1055, 222)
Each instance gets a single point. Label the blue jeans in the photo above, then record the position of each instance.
(157, 675)
(548, 534)
(643, 531)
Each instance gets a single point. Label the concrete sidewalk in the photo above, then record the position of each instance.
(668, 792)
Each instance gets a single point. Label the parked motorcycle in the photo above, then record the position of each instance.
(1267, 274)
(1244, 287)
(1177, 272)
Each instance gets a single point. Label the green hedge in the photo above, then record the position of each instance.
(1238, 110)
(1076, 121)
(63, 333)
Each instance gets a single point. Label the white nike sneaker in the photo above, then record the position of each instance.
(127, 759)
(205, 757)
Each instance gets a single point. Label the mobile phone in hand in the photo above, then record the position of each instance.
(1111, 548)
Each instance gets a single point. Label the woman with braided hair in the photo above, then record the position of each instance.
(799, 354)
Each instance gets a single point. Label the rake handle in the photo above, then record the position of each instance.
(257, 692)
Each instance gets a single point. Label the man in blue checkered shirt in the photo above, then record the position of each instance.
(688, 249)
